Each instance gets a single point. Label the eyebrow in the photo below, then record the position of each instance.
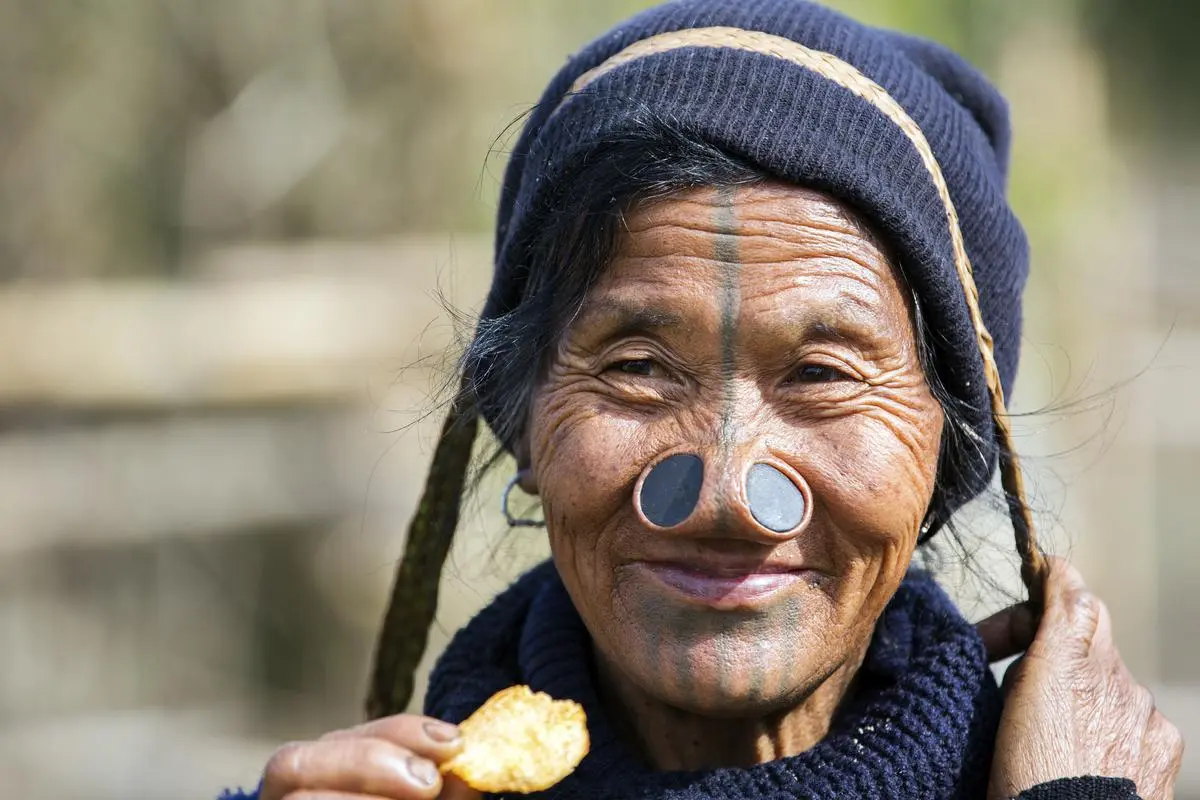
(854, 331)
(829, 332)
(624, 318)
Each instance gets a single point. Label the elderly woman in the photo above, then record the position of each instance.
(755, 314)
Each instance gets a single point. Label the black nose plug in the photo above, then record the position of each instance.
(671, 490)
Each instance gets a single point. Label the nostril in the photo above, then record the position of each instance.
(671, 489)
(776, 502)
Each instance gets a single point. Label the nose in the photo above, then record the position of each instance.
(757, 489)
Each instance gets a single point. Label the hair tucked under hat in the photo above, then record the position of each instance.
(900, 129)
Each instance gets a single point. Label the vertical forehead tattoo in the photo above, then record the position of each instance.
(725, 250)
(403, 636)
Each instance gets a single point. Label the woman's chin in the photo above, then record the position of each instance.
(722, 702)
(744, 671)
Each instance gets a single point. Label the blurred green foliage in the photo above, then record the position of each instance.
(139, 133)
(1153, 62)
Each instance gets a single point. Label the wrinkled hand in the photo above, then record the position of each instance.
(394, 758)
(1071, 707)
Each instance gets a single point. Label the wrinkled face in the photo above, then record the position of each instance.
(749, 327)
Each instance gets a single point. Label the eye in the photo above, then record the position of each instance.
(636, 366)
(817, 373)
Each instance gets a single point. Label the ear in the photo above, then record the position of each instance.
(526, 478)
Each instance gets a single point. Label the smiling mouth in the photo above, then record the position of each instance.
(721, 587)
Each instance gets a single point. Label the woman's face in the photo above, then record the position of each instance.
(753, 326)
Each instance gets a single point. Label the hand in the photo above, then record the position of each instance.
(394, 758)
(1071, 707)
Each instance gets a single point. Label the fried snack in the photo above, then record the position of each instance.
(519, 741)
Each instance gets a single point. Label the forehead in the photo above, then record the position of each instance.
(780, 243)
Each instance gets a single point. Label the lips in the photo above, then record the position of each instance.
(722, 586)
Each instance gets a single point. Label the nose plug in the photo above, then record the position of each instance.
(670, 492)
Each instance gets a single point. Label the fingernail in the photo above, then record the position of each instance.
(441, 732)
(423, 772)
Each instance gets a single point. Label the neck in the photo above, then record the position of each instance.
(671, 738)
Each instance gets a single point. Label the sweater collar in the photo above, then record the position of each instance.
(922, 726)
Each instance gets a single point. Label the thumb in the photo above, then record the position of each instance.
(1008, 632)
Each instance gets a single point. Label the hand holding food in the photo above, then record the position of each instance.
(517, 741)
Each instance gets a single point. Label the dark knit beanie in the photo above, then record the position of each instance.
(721, 84)
(900, 129)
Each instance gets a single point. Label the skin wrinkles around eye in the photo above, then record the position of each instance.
(638, 357)
(896, 416)
(823, 373)
(872, 371)
(818, 373)
(644, 367)
(623, 347)
(610, 332)
(579, 385)
(827, 354)
(894, 408)
(642, 375)
(891, 408)
(836, 347)
(891, 399)
(854, 382)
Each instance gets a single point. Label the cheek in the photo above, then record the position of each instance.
(873, 475)
(585, 464)
(872, 480)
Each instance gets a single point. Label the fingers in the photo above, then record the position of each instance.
(1071, 705)
(430, 738)
(1071, 610)
(366, 766)
(1008, 632)
(1074, 617)
(1164, 743)
(461, 792)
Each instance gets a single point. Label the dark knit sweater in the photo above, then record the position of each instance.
(922, 724)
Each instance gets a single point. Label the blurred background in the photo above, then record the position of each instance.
(228, 229)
